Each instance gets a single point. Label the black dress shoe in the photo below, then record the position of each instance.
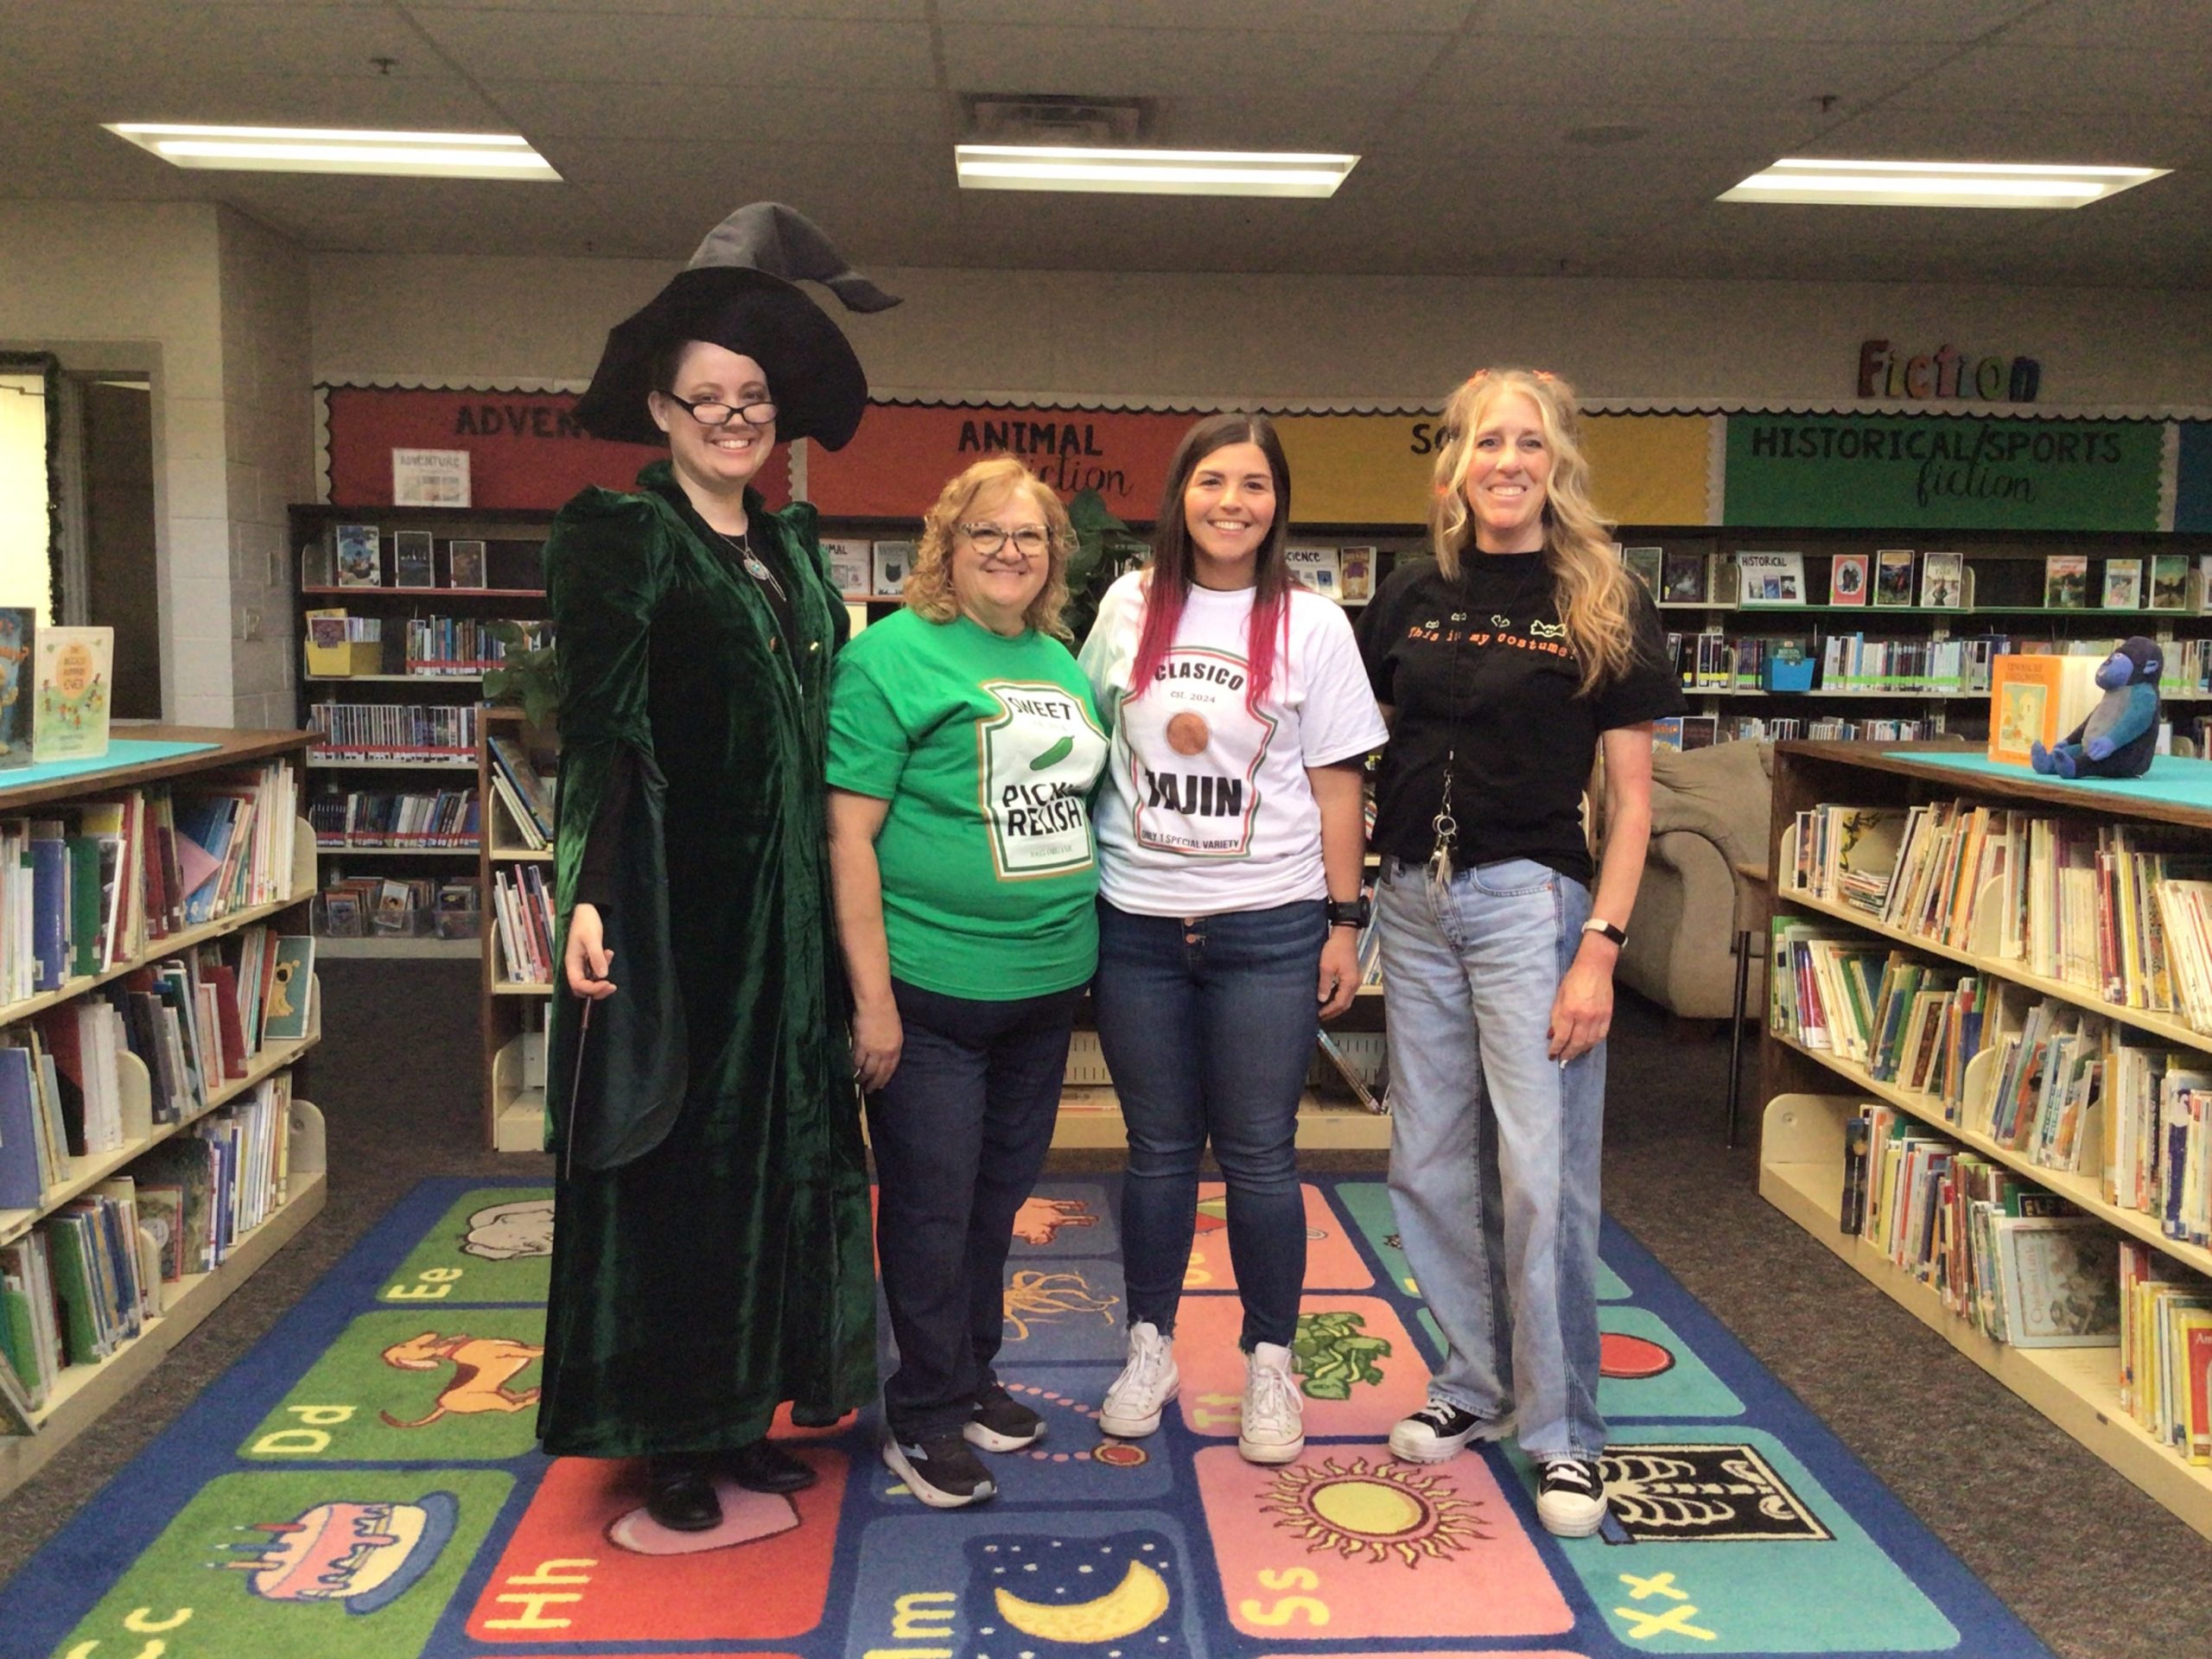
(680, 1494)
(763, 1466)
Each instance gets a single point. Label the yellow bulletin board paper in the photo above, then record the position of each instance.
(1359, 468)
(1649, 469)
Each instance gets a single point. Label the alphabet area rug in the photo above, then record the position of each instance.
(363, 1484)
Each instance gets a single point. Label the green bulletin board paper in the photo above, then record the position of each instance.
(2193, 476)
(1947, 472)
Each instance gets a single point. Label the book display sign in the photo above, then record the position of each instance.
(1770, 579)
(430, 478)
(1945, 472)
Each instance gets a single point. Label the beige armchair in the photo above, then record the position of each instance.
(1709, 810)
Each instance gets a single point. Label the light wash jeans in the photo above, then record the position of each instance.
(1494, 1145)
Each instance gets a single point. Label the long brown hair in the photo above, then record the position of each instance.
(1268, 633)
(1591, 586)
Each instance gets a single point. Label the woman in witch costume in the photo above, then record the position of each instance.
(710, 1249)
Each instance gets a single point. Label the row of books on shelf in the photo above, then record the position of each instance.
(1680, 732)
(386, 817)
(1715, 660)
(2018, 1262)
(2067, 1090)
(2123, 911)
(1899, 577)
(91, 885)
(196, 1022)
(526, 793)
(461, 645)
(399, 907)
(393, 731)
(523, 902)
(2027, 1269)
(87, 1279)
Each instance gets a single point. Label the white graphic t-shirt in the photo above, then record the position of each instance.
(1206, 808)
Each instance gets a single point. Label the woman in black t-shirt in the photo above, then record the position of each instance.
(1505, 663)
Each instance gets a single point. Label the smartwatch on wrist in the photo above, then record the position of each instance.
(1599, 925)
(1350, 912)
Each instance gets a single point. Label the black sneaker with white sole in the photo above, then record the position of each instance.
(1003, 1423)
(1441, 1430)
(1571, 1497)
(940, 1471)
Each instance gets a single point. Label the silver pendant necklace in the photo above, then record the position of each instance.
(754, 566)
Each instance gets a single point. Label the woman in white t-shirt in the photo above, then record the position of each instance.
(1229, 841)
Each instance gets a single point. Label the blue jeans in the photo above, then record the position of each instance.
(1208, 1025)
(1494, 1145)
(959, 1135)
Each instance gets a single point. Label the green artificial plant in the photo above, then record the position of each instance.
(1104, 548)
(527, 678)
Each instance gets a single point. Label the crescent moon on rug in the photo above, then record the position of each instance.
(1141, 1598)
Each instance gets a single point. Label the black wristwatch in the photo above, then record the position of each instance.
(1350, 912)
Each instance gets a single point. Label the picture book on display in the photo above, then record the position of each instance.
(465, 563)
(1943, 582)
(1358, 576)
(2123, 585)
(76, 675)
(1681, 579)
(1893, 575)
(2066, 581)
(852, 564)
(360, 564)
(2037, 699)
(414, 560)
(18, 677)
(2169, 582)
(1847, 580)
(894, 561)
(1643, 563)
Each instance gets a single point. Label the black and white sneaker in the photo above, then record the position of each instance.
(1003, 1423)
(941, 1471)
(1441, 1430)
(1571, 1497)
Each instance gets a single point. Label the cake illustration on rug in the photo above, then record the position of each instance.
(364, 1556)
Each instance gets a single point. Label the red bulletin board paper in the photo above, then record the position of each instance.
(524, 450)
(903, 454)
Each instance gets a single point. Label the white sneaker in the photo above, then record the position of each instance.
(1146, 1383)
(1273, 1427)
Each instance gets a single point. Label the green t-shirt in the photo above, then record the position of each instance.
(987, 748)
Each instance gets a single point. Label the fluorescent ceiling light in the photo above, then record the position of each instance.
(1150, 172)
(321, 149)
(1937, 184)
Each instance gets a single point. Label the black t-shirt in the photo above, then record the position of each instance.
(1483, 665)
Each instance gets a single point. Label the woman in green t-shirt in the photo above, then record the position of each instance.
(963, 749)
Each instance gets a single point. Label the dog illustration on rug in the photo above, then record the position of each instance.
(483, 1366)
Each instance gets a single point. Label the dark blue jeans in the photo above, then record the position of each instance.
(1208, 1026)
(959, 1135)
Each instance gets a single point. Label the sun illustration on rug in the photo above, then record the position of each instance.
(1376, 1512)
(1034, 1298)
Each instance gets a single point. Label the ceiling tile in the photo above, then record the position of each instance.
(1420, 16)
(2182, 27)
(1332, 69)
(200, 45)
(2124, 138)
(719, 117)
(781, 50)
(2054, 80)
(1729, 75)
(1952, 21)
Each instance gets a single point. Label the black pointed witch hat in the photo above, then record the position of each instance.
(740, 292)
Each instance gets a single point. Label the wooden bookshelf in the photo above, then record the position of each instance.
(1801, 1141)
(83, 1391)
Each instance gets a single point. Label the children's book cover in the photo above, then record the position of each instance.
(18, 641)
(76, 673)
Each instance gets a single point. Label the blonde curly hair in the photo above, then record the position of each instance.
(983, 489)
(1591, 586)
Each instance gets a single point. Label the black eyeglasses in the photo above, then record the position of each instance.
(990, 540)
(709, 413)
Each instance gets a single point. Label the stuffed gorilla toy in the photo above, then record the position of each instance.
(2121, 733)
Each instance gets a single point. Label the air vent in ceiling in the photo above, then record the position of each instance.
(1057, 118)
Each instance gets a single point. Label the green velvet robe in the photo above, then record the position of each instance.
(711, 1252)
